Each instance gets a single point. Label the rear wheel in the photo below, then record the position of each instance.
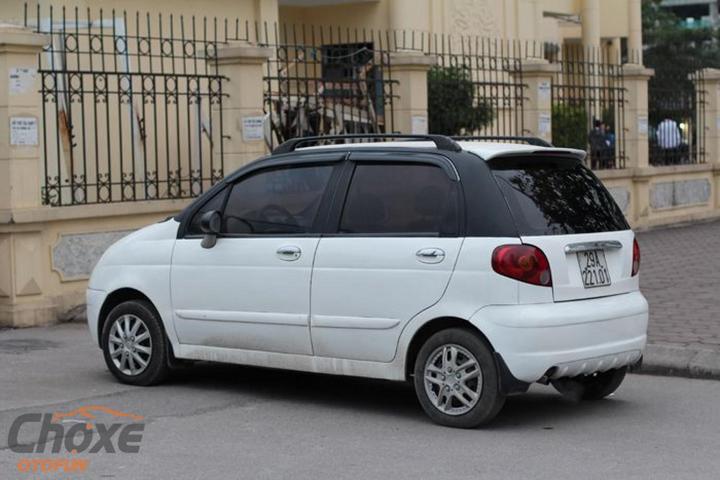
(590, 387)
(456, 379)
(134, 344)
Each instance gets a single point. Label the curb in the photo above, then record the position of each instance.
(677, 361)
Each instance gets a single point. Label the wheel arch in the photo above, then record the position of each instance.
(114, 299)
(430, 328)
(507, 382)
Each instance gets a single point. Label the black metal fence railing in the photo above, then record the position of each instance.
(131, 105)
(326, 81)
(676, 102)
(588, 103)
(332, 81)
(477, 86)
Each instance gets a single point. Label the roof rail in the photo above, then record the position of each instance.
(535, 141)
(441, 141)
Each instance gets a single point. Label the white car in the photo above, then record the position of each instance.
(470, 268)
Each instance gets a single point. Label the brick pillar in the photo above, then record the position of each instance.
(411, 103)
(243, 64)
(636, 125)
(709, 82)
(22, 302)
(636, 119)
(20, 118)
(537, 75)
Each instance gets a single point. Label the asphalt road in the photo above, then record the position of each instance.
(234, 422)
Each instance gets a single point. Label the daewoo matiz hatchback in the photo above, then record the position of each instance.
(471, 269)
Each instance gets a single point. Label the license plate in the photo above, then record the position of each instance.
(593, 268)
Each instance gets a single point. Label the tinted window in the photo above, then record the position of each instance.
(400, 198)
(215, 203)
(556, 196)
(276, 201)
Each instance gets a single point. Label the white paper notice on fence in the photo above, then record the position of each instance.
(23, 131)
(544, 124)
(419, 125)
(252, 129)
(642, 125)
(21, 80)
(544, 91)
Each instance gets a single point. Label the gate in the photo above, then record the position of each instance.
(131, 106)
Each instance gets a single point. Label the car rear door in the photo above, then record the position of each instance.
(389, 256)
(561, 207)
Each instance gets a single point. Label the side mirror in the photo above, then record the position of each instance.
(210, 224)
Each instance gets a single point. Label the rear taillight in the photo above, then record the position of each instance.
(636, 258)
(526, 263)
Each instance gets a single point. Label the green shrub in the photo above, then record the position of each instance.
(570, 126)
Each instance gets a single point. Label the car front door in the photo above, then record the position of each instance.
(251, 290)
(390, 257)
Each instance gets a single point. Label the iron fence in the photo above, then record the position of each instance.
(325, 81)
(588, 103)
(676, 102)
(131, 105)
(329, 80)
(477, 86)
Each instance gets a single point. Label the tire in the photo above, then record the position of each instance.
(150, 336)
(449, 409)
(590, 387)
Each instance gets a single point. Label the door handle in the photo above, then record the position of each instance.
(430, 255)
(289, 253)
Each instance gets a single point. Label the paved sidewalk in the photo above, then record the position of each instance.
(680, 276)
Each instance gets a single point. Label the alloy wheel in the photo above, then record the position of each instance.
(130, 345)
(453, 379)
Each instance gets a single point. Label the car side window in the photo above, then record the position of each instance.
(215, 203)
(400, 199)
(279, 201)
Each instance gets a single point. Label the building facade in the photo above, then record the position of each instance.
(556, 21)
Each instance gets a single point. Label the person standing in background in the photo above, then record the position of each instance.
(597, 139)
(669, 140)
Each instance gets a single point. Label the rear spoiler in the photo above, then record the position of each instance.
(513, 159)
(545, 153)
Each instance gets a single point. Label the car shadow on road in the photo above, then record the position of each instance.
(331, 391)
(542, 407)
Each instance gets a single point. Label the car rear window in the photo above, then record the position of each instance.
(556, 196)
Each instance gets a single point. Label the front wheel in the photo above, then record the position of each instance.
(134, 344)
(590, 387)
(456, 379)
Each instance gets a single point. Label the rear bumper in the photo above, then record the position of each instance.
(575, 337)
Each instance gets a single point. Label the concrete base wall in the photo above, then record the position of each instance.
(657, 196)
(47, 254)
